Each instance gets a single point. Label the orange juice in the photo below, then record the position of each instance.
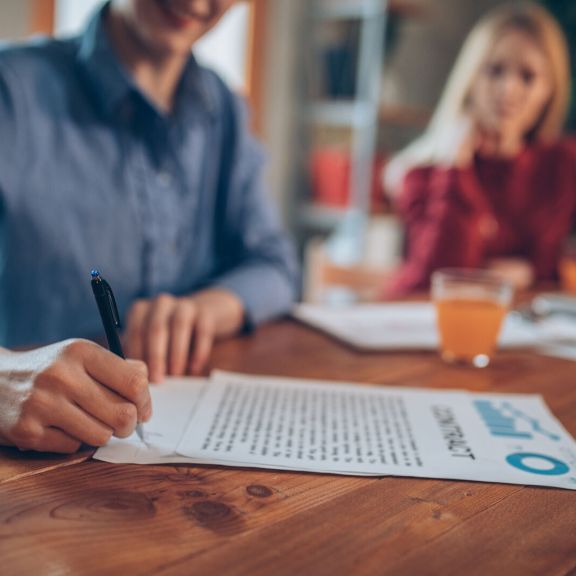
(469, 328)
(567, 269)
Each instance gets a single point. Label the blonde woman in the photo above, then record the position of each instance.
(492, 180)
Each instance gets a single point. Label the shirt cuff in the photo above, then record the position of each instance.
(265, 293)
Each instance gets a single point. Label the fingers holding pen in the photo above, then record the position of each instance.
(55, 440)
(52, 421)
(64, 406)
(79, 424)
(69, 393)
(45, 439)
(107, 389)
(117, 389)
(76, 391)
(112, 410)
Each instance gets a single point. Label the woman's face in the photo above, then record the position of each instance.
(513, 86)
(170, 26)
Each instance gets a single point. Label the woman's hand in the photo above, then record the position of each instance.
(175, 335)
(57, 397)
(518, 271)
(457, 147)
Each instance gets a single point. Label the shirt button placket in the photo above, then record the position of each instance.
(166, 247)
(164, 179)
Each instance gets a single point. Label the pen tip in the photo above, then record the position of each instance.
(94, 273)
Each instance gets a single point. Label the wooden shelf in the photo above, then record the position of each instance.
(321, 217)
(404, 115)
(353, 9)
(354, 113)
(314, 216)
(351, 113)
(349, 9)
(407, 9)
(357, 113)
(42, 16)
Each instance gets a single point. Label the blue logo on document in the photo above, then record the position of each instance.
(537, 463)
(506, 421)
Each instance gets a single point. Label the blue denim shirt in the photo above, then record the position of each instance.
(92, 175)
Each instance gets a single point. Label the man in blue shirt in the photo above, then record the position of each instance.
(119, 152)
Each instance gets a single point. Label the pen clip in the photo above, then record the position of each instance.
(112, 300)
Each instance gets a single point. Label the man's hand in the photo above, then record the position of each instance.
(175, 335)
(57, 397)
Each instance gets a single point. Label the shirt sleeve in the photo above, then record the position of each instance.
(11, 129)
(556, 218)
(259, 260)
(443, 226)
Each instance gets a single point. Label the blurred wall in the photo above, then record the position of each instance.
(427, 47)
(223, 49)
(71, 15)
(282, 50)
(14, 19)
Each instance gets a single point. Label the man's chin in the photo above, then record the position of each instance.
(166, 47)
(185, 15)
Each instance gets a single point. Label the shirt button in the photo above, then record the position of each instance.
(164, 179)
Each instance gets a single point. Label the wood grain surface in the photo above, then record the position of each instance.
(73, 515)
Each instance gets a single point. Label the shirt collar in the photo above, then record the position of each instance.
(109, 83)
(196, 88)
(112, 84)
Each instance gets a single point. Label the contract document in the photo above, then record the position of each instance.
(348, 428)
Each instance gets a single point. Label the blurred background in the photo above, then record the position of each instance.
(335, 87)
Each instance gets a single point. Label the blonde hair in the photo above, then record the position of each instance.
(448, 118)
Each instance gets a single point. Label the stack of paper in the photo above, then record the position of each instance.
(329, 427)
(412, 326)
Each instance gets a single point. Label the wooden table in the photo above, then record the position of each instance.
(72, 515)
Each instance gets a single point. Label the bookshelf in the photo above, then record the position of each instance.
(340, 210)
(342, 94)
(342, 113)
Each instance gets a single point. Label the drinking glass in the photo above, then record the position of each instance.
(567, 267)
(470, 307)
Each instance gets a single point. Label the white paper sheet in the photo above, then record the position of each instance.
(173, 404)
(355, 429)
(267, 422)
(412, 326)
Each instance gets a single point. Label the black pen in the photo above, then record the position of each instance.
(110, 320)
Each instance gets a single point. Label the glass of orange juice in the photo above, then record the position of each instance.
(567, 267)
(470, 308)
